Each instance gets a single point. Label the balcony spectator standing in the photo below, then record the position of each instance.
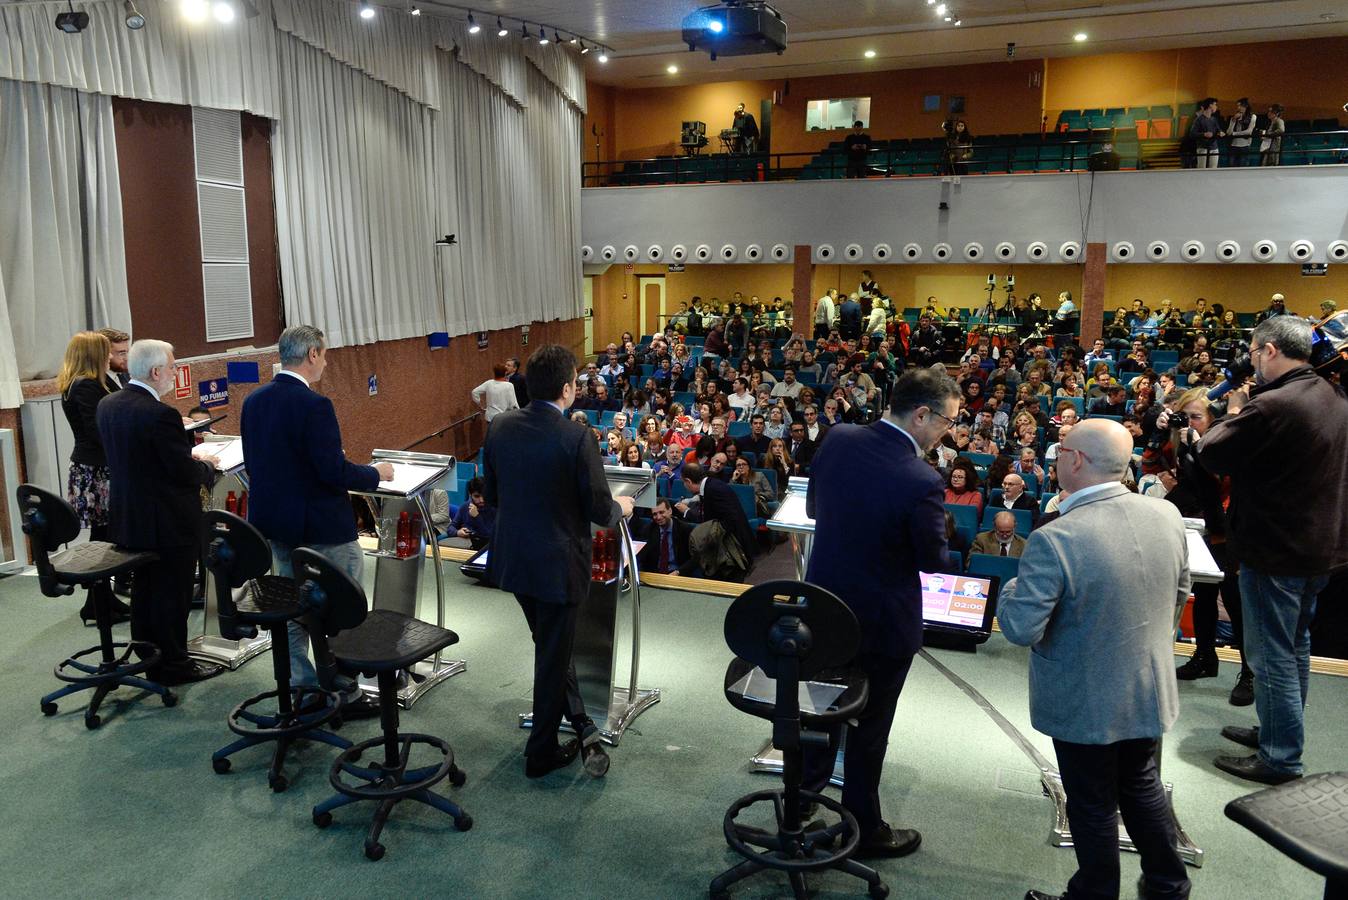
(1241, 129)
(1205, 129)
(857, 147)
(1270, 142)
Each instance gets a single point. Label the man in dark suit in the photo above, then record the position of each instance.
(849, 318)
(298, 483)
(666, 537)
(1014, 496)
(800, 448)
(155, 505)
(756, 441)
(516, 379)
(545, 478)
(723, 545)
(878, 475)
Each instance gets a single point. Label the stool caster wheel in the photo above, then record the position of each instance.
(374, 851)
(277, 783)
(879, 891)
(170, 699)
(221, 766)
(48, 708)
(92, 722)
(336, 723)
(323, 820)
(458, 777)
(464, 823)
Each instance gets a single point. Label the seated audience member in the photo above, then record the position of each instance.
(1014, 495)
(1134, 427)
(1035, 381)
(632, 458)
(986, 423)
(723, 545)
(1114, 403)
(776, 424)
(809, 367)
(666, 536)
(765, 500)
(741, 401)
(780, 462)
(669, 469)
(957, 543)
(1002, 540)
(756, 441)
(475, 521)
(800, 449)
(720, 467)
(788, 386)
(682, 434)
(1051, 454)
(962, 485)
(1028, 464)
(982, 442)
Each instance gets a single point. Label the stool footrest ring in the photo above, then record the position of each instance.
(305, 713)
(108, 671)
(803, 851)
(382, 782)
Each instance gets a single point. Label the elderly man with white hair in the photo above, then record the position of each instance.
(1102, 676)
(155, 505)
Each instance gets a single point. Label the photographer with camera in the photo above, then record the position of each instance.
(1284, 444)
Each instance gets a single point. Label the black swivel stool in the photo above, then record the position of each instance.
(794, 632)
(49, 522)
(1306, 819)
(378, 643)
(237, 556)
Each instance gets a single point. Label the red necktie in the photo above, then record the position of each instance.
(664, 551)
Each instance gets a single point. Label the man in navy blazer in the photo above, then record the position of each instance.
(298, 482)
(879, 521)
(543, 474)
(155, 504)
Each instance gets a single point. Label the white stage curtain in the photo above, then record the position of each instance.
(62, 256)
(509, 188)
(353, 202)
(167, 61)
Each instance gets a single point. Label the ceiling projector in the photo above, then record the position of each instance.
(735, 28)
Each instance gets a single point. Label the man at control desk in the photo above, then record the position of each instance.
(1102, 673)
(878, 474)
(298, 483)
(543, 474)
(155, 505)
(1284, 444)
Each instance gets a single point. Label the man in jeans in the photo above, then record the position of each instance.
(1284, 444)
(299, 479)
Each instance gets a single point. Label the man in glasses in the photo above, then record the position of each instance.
(1105, 701)
(877, 474)
(1284, 444)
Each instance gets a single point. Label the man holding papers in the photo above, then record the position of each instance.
(299, 479)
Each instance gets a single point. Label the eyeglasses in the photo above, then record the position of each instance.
(1062, 450)
(942, 417)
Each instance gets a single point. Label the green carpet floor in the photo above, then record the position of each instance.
(134, 809)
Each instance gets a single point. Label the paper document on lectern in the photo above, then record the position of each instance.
(409, 478)
(814, 696)
(228, 454)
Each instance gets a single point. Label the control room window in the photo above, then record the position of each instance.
(829, 115)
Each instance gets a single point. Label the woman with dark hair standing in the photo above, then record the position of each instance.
(85, 379)
(959, 147)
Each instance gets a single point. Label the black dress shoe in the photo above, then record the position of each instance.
(1198, 666)
(592, 754)
(887, 842)
(1246, 737)
(538, 766)
(118, 612)
(365, 706)
(186, 673)
(1041, 895)
(1252, 768)
(1243, 693)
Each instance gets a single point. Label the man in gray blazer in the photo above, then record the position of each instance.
(1100, 627)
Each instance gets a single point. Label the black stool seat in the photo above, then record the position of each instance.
(848, 705)
(268, 600)
(1306, 819)
(387, 641)
(96, 561)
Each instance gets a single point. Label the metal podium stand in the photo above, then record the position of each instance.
(597, 653)
(397, 580)
(209, 646)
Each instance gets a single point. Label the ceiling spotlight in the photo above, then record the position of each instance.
(501, 30)
(574, 40)
(194, 10)
(958, 22)
(583, 49)
(134, 20)
(672, 69)
(869, 54)
(1080, 36)
(223, 12)
(556, 37)
(72, 22)
(524, 32)
(940, 9)
(603, 56)
(473, 27)
(930, 2)
(366, 11)
(414, 11)
(543, 36)
(949, 18)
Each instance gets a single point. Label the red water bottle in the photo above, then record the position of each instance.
(610, 554)
(597, 557)
(243, 505)
(232, 503)
(415, 534)
(403, 545)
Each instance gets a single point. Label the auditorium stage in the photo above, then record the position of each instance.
(134, 809)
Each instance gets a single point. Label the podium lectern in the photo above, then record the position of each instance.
(603, 653)
(209, 646)
(397, 580)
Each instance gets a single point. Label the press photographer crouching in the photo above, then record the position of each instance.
(1284, 444)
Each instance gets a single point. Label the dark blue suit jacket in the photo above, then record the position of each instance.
(879, 520)
(298, 475)
(545, 478)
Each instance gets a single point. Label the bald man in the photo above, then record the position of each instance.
(1102, 680)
